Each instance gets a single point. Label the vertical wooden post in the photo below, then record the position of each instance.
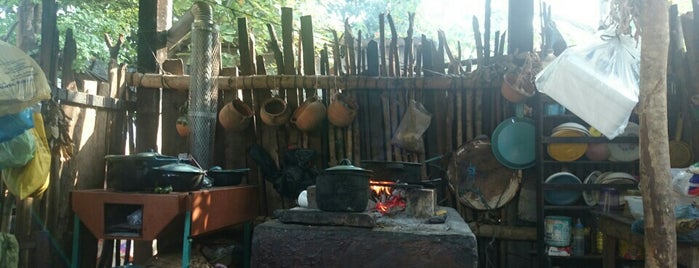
(520, 27)
(154, 19)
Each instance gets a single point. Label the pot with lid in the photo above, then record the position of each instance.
(133, 172)
(181, 177)
(343, 188)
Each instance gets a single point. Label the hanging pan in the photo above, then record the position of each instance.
(680, 152)
(513, 142)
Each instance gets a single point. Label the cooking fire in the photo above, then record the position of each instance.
(389, 199)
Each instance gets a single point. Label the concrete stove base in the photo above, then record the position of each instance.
(395, 242)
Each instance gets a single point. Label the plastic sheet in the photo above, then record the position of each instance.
(15, 124)
(33, 178)
(598, 82)
(18, 151)
(22, 82)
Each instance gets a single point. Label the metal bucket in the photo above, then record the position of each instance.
(557, 230)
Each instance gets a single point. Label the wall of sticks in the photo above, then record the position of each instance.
(462, 95)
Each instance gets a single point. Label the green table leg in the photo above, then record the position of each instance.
(247, 241)
(186, 243)
(76, 240)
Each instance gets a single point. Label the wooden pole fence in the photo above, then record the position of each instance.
(181, 82)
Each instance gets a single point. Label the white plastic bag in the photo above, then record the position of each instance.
(685, 183)
(22, 82)
(598, 82)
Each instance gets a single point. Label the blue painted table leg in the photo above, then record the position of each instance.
(185, 238)
(76, 240)
(247, 241)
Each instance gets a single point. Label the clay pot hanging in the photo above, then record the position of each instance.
(342, 111)
(274, 112)
(516, 89)
(235, 115)
(309, 115)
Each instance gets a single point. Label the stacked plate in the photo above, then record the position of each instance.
(597, 177)
(567, 152)
(625, 152)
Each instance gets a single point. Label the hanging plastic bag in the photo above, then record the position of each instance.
(414, 123)
(33, 178)
(15, 124)
(18, 151)
(22, 82)
(598, 82)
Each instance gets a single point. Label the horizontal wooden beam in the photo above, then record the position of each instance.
(91, 101)
(504, 232)
(181, 82)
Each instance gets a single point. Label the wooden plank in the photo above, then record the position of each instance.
(81, 99)
(288, 39)
(382, 45)
(246, 66)
(274, 46)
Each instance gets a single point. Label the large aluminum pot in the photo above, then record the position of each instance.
(343, 188)
(133, 172)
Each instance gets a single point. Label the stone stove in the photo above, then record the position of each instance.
(302, 237)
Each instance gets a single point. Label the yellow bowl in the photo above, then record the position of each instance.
(567, 152)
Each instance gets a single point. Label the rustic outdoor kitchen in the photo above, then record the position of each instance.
(351, 149)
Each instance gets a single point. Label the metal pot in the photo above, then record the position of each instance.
(394, 170)
(182, 177)
(133, 172)
(226, 177)
(343, 188)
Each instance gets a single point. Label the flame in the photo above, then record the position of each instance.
(381, 188)
(387, 200)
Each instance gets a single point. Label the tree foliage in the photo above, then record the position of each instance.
(90, 20)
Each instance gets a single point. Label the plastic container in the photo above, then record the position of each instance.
(635, 206)
(557, 231)
(579, 239)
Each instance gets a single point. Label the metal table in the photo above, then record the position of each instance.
(204, 211)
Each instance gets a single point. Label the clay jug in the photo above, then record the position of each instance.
(515, 88)
(309, 115)
(274, 112)
(235, 115)
(342, 111)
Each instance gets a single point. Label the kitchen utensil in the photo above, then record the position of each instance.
(562, 197)
(235, 115)
(343, 188)
(274, 112)
(182, 177)
(394, 170)
(680, 153)
(133, 172)
(309, 115)
(342, 111)
(513, 143)
(226, 177)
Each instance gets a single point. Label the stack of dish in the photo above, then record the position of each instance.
(597, 177)
(625, 152)
(562, 197)
(567, 152)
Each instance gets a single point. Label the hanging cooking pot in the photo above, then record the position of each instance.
(513, 142)
(343, 188)
(309, 115)
(235, 115)
(274, 112)
(133, 172)
(342, 111)
(180, 176)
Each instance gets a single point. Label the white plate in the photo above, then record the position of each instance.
(625, 152)
(591, 197)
